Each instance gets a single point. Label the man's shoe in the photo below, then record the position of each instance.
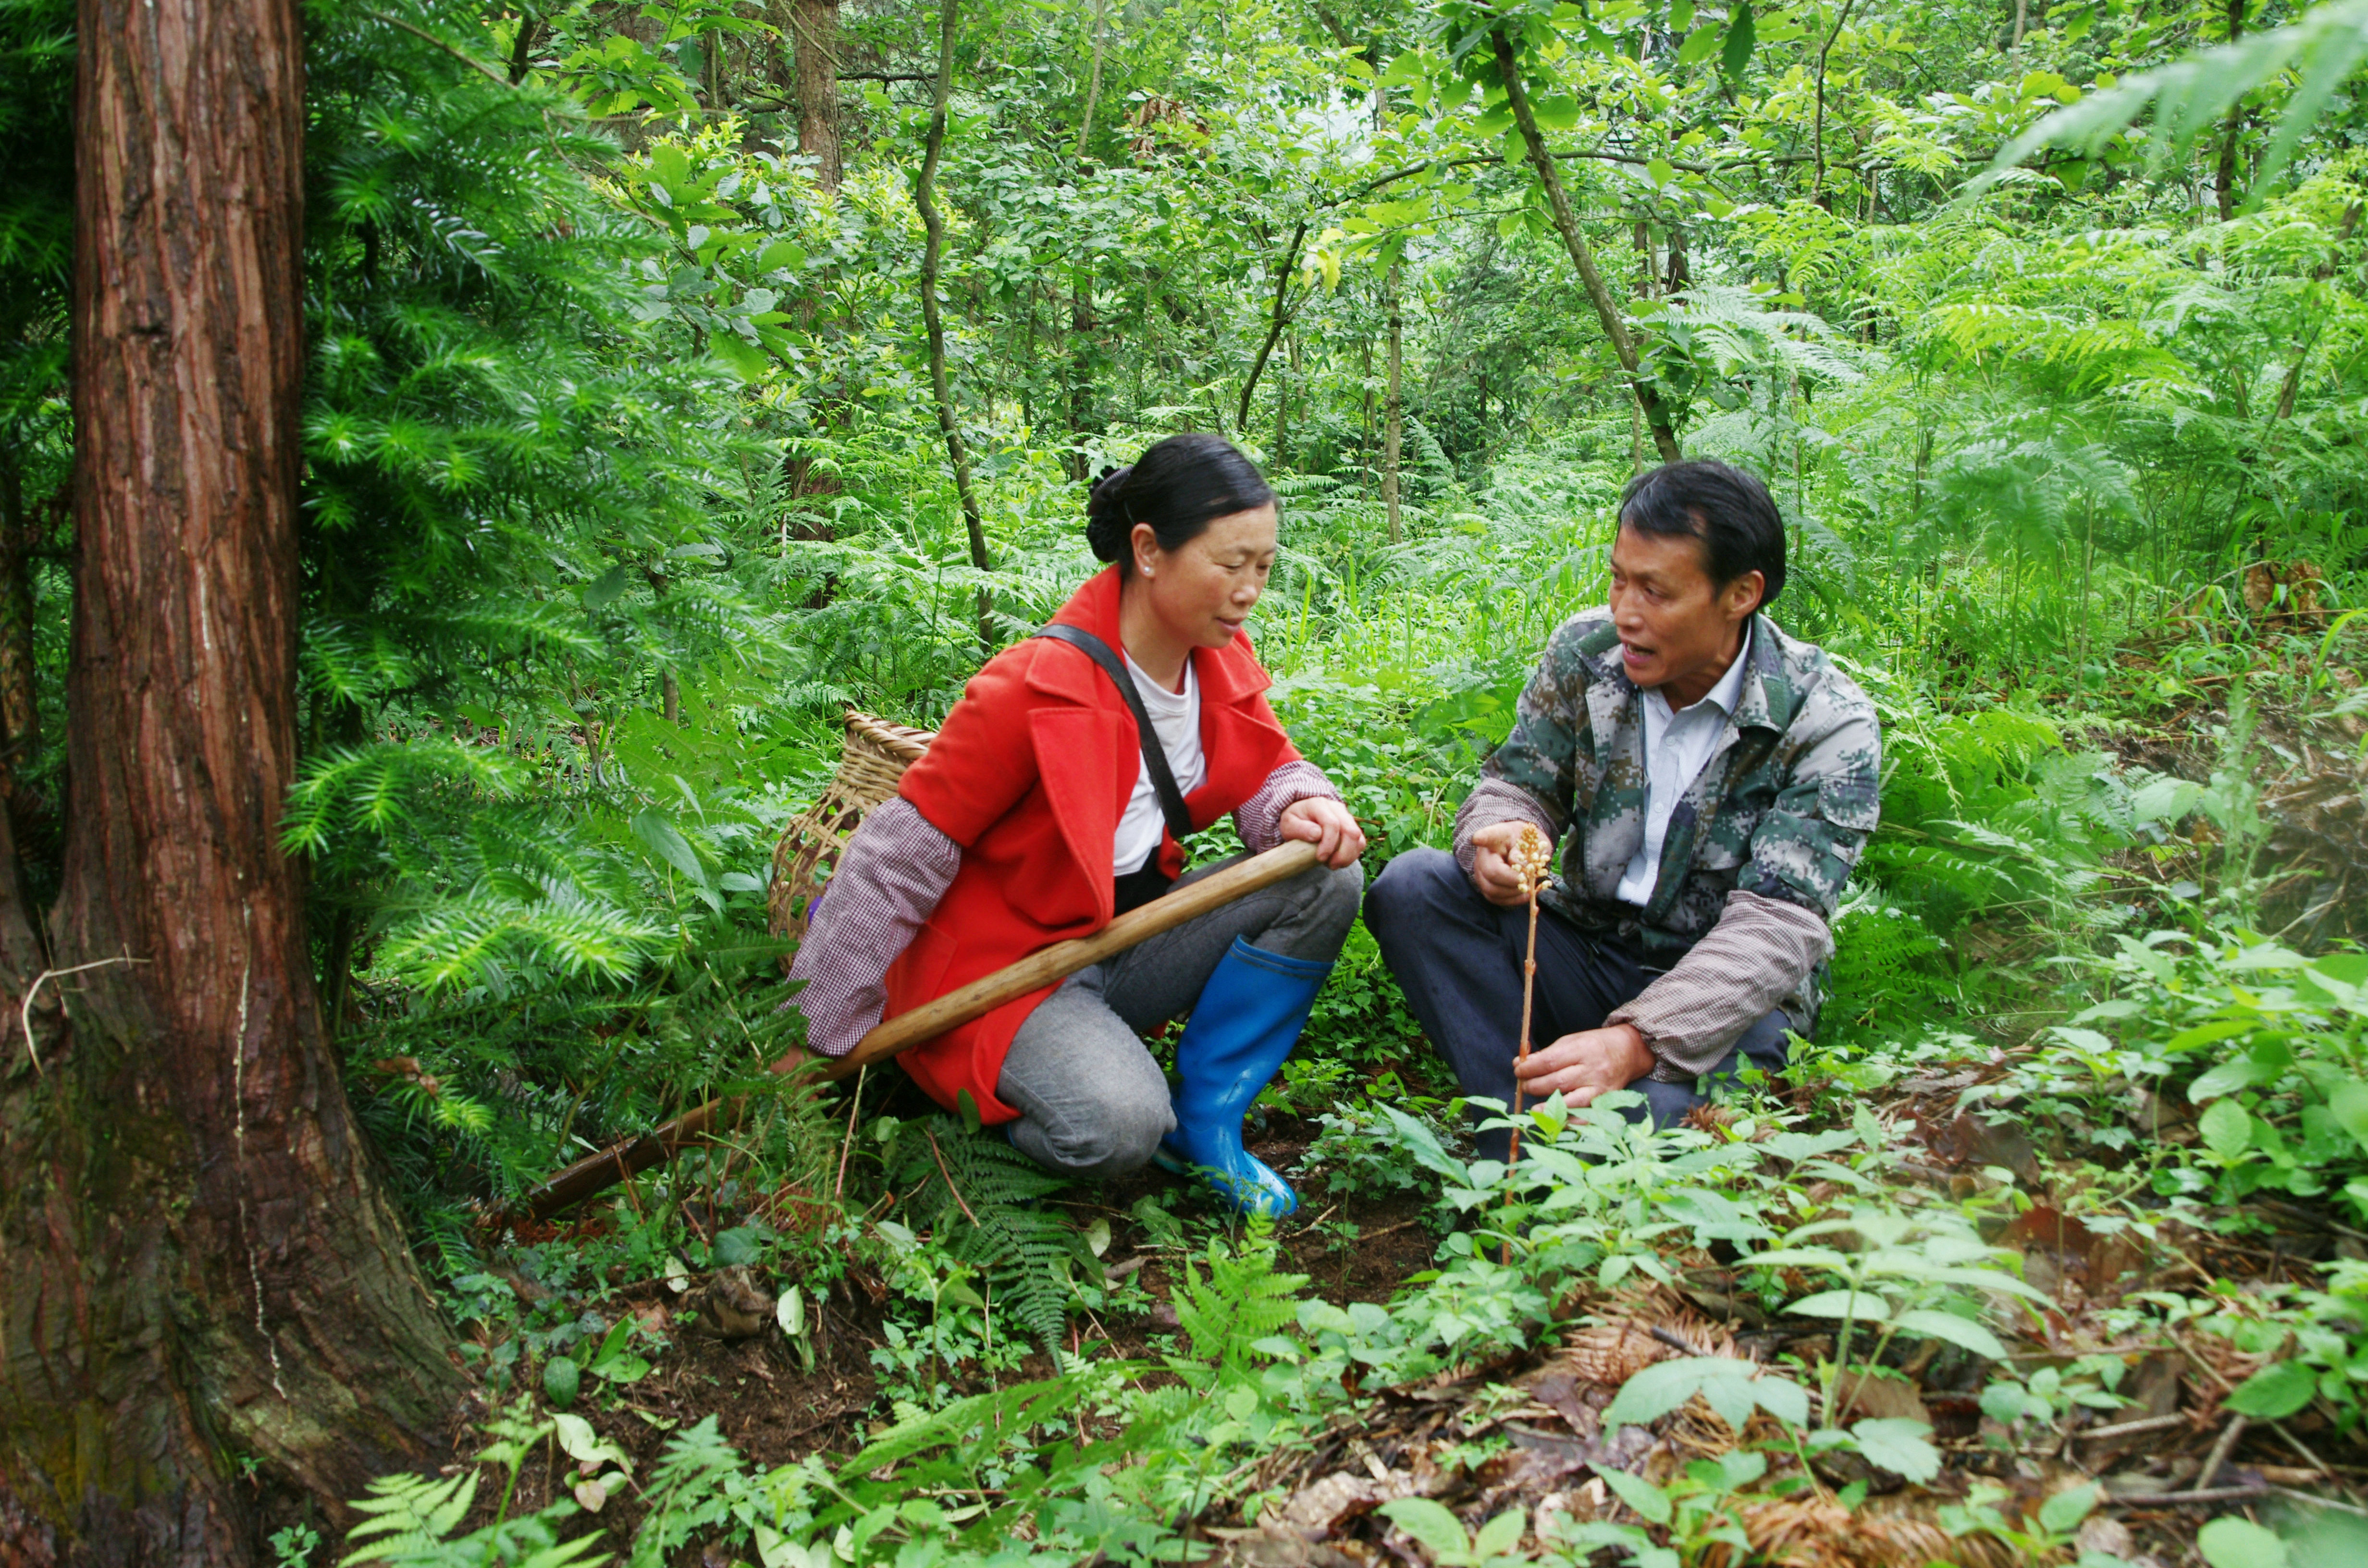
(1247, 1019)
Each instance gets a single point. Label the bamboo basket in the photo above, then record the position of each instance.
(874, 758)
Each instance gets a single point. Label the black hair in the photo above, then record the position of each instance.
(1179, 487)
(1727, 508)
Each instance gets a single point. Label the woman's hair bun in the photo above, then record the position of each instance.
(1108, 523)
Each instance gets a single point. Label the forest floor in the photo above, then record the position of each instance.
(2169, 1456)
(2110, 1426)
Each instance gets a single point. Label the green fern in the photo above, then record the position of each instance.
(408, 1520)
(693, 1487)
(1241, 1301)
(985, 1201)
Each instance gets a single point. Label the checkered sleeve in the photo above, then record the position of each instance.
(889, 881)
(1259, 818)
(1756, 956)
(1493, 800)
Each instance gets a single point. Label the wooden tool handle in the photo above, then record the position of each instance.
(596, 1172)
(1063, 959)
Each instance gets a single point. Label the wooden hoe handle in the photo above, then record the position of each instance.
(597, 1173)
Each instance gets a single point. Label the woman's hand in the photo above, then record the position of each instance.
(1327, 823)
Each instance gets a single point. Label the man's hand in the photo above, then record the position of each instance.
(1583, 1065)
(1492, 863)
(1327, 824)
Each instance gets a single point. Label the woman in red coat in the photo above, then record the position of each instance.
(1038, 815)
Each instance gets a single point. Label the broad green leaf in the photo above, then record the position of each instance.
(2063, 1511)
(1863, 1305)
(1648, 1499)
(1440, 1532)
(561, 1379)
(1500, 1535)
(1728, 1386)
(1654, 1392)
(580, 1442)
(604, 591)
(1958, 1331)
(1700, 45)
(2227, 1130)
(1901, 1445)
(1423, 1144)
(1742, 38)
(2275, 1391)
(1797, 1257)
(654, 828)
(746, 360)
(2233, 1542)
(2349, 1104)
(2236, 1073)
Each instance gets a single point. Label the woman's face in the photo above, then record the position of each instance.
(1203, 590)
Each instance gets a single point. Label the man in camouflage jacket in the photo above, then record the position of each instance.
(1709, 781)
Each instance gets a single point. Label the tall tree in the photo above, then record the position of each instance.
(1574, 239)
(1392, 434)
(201, 1265)
(813, 48)
(924, 195)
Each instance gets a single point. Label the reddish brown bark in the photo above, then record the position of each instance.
(813, 45)
(200, 1265)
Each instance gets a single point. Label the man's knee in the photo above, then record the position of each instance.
(1765, 1045)
(1412, 883)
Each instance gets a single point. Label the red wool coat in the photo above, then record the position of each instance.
(1029, 775)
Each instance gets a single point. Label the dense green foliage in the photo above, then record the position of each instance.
(624, 479)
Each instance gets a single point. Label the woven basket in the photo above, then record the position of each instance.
(875, 758)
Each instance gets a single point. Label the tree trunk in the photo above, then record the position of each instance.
(1276, 319)
(1565, 221)
(200, 1266)
(924, 195)
(21, 726)
(1094, 86)
(813, 46)
(1395, 417)
(1081, 369)
(2224, 176)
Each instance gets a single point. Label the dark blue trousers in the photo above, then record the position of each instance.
(1458, 958)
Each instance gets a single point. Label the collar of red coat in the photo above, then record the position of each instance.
(1228, 675)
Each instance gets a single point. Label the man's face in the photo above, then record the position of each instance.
(1677, 629)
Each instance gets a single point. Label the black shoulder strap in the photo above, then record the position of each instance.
(1155, 755)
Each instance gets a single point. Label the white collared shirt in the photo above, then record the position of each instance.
(1678, 743)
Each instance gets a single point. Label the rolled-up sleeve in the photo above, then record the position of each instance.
(889, 881)
(1758, 954)
(1259, 819)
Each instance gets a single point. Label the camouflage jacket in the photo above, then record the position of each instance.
(1782, 809)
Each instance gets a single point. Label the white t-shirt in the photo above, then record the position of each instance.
(1676, 747)
(1175, 718)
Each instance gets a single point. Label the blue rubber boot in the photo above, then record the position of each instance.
(1247, 1019)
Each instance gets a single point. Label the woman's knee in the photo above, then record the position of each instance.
(1114, 1135)
(1333, 895)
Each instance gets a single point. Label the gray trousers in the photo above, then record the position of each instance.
(1458, 958)
(1092, 1100)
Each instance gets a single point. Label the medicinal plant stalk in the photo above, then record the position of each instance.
(1530, 859)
